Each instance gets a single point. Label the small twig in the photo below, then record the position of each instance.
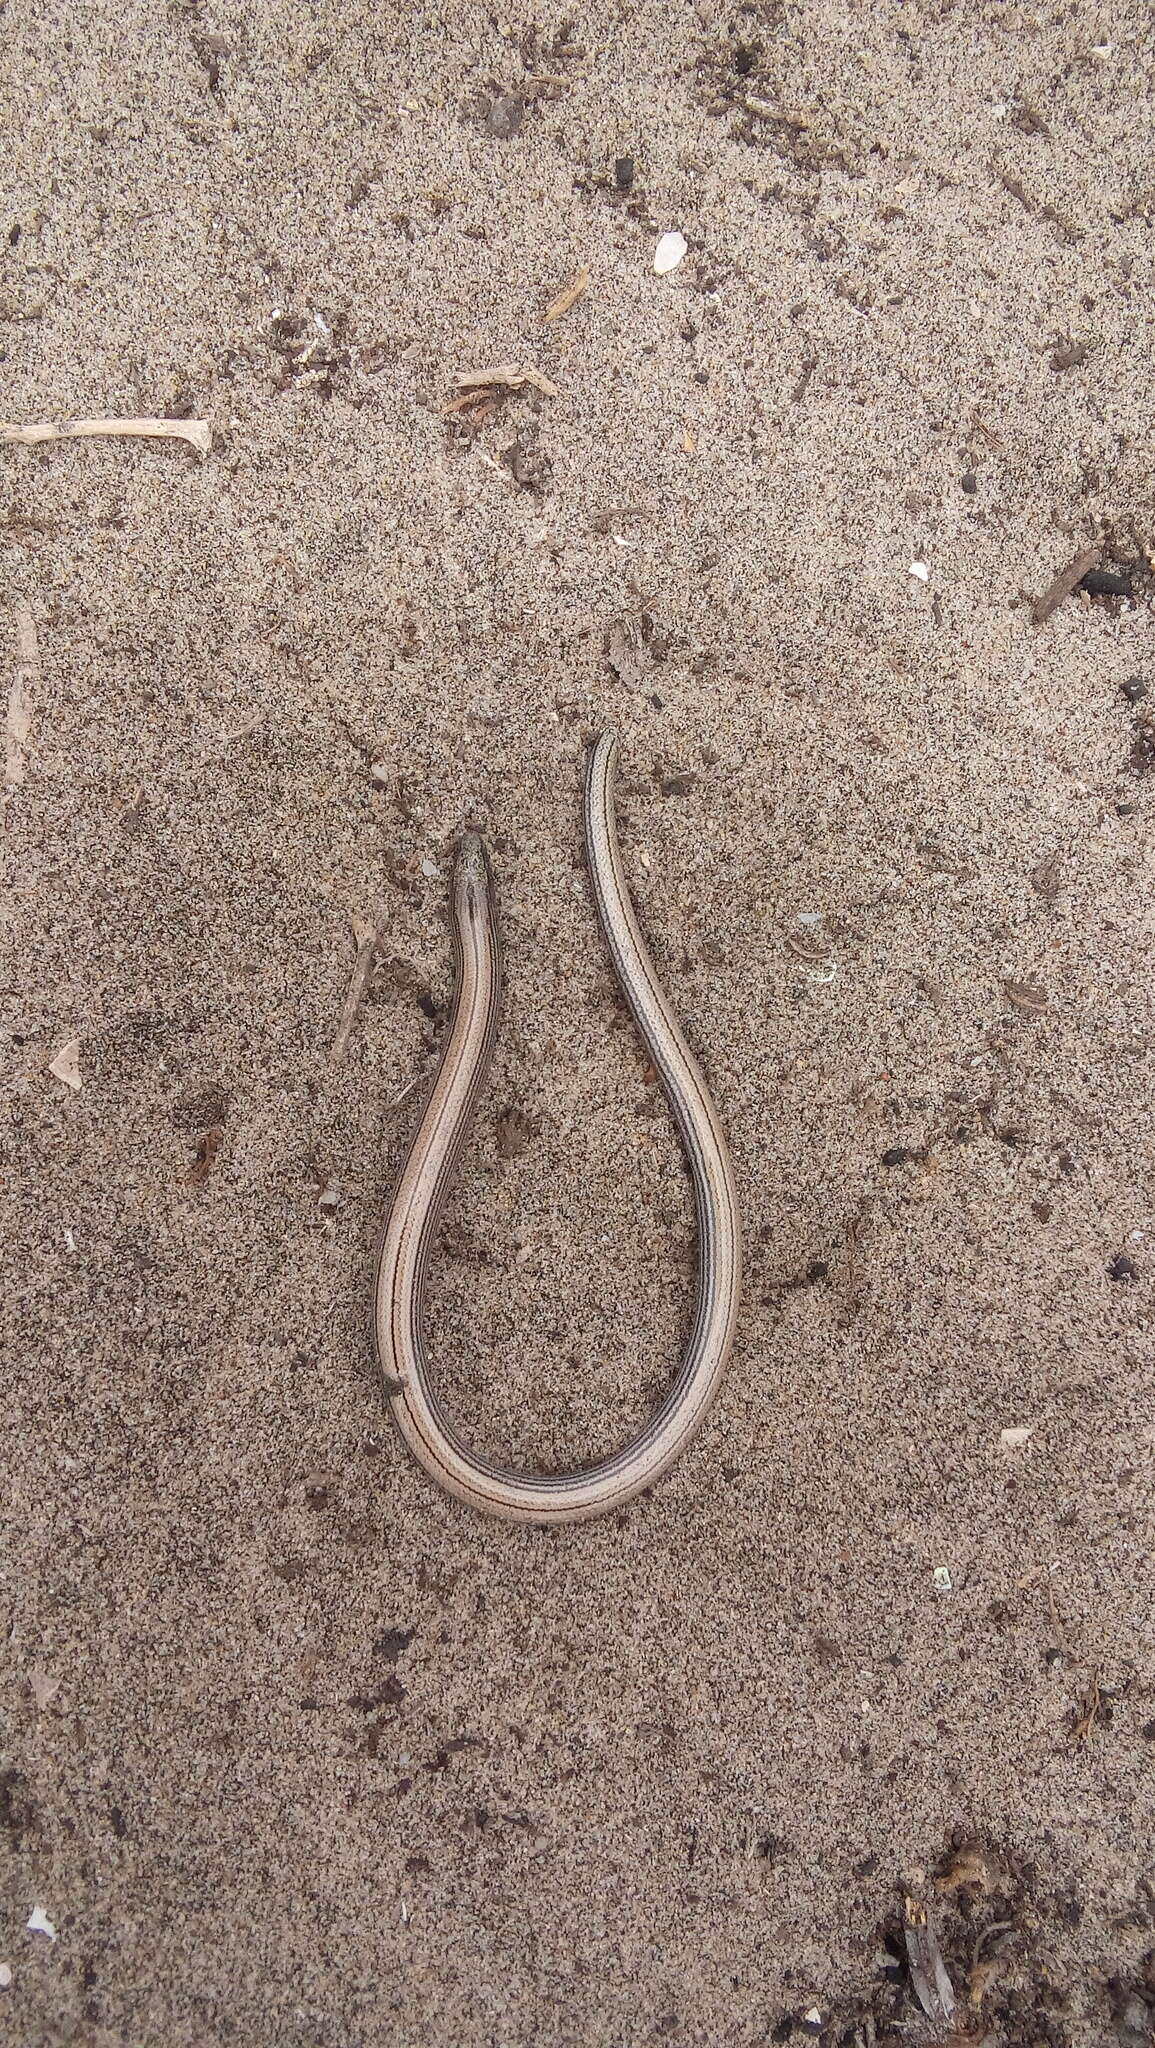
(506, 377)
(1092, 1708)
(25, 681)
(1065, 582)
(369, 938)
(197, 433)
(406, 1092)
(567, 298)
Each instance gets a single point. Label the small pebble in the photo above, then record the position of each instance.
(623, 172)
(920, 570)
(1134, 689)
(5, 1976)
(505, 116)
(669, 252)
(897, 1156)
(970, 483)
(1123, 1268)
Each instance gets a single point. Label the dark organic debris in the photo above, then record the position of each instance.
(389, 1693)
(391, 1642)
(1106, 583)
(1142, 755)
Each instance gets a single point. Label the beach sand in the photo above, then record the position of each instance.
(297, 1750)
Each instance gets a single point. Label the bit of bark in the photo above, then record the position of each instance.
(1065, 582)
(929, 1978)
(208, 1145)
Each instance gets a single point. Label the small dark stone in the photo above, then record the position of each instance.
(1105, 583)
(1042, 1210)
(623, 172)
(1125, 810)
(1134, 689)
(744, 60)
(701, 376)
(868, 1865)
(970, 483)
(1147, 1731)
(14, 234)
(505, 116)
(897, 1156)
(1123, 1268)
(426, 1005)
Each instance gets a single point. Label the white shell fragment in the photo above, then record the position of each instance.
(669, 252)
(39, 1923)
(66, 1064)
(5, 1976)
(1014, 1439)
(943, 1583)
(920, 570)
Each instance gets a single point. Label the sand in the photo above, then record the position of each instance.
(296, 1749)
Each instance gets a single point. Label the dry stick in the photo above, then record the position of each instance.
(18, 723)
(509, 377)
(369, 938)
(567, 298)
(1065, 582)
(197, 433)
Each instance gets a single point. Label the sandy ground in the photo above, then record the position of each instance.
(296, 1750)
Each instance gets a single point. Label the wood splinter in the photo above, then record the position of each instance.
(368, 937)
(197, 433)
